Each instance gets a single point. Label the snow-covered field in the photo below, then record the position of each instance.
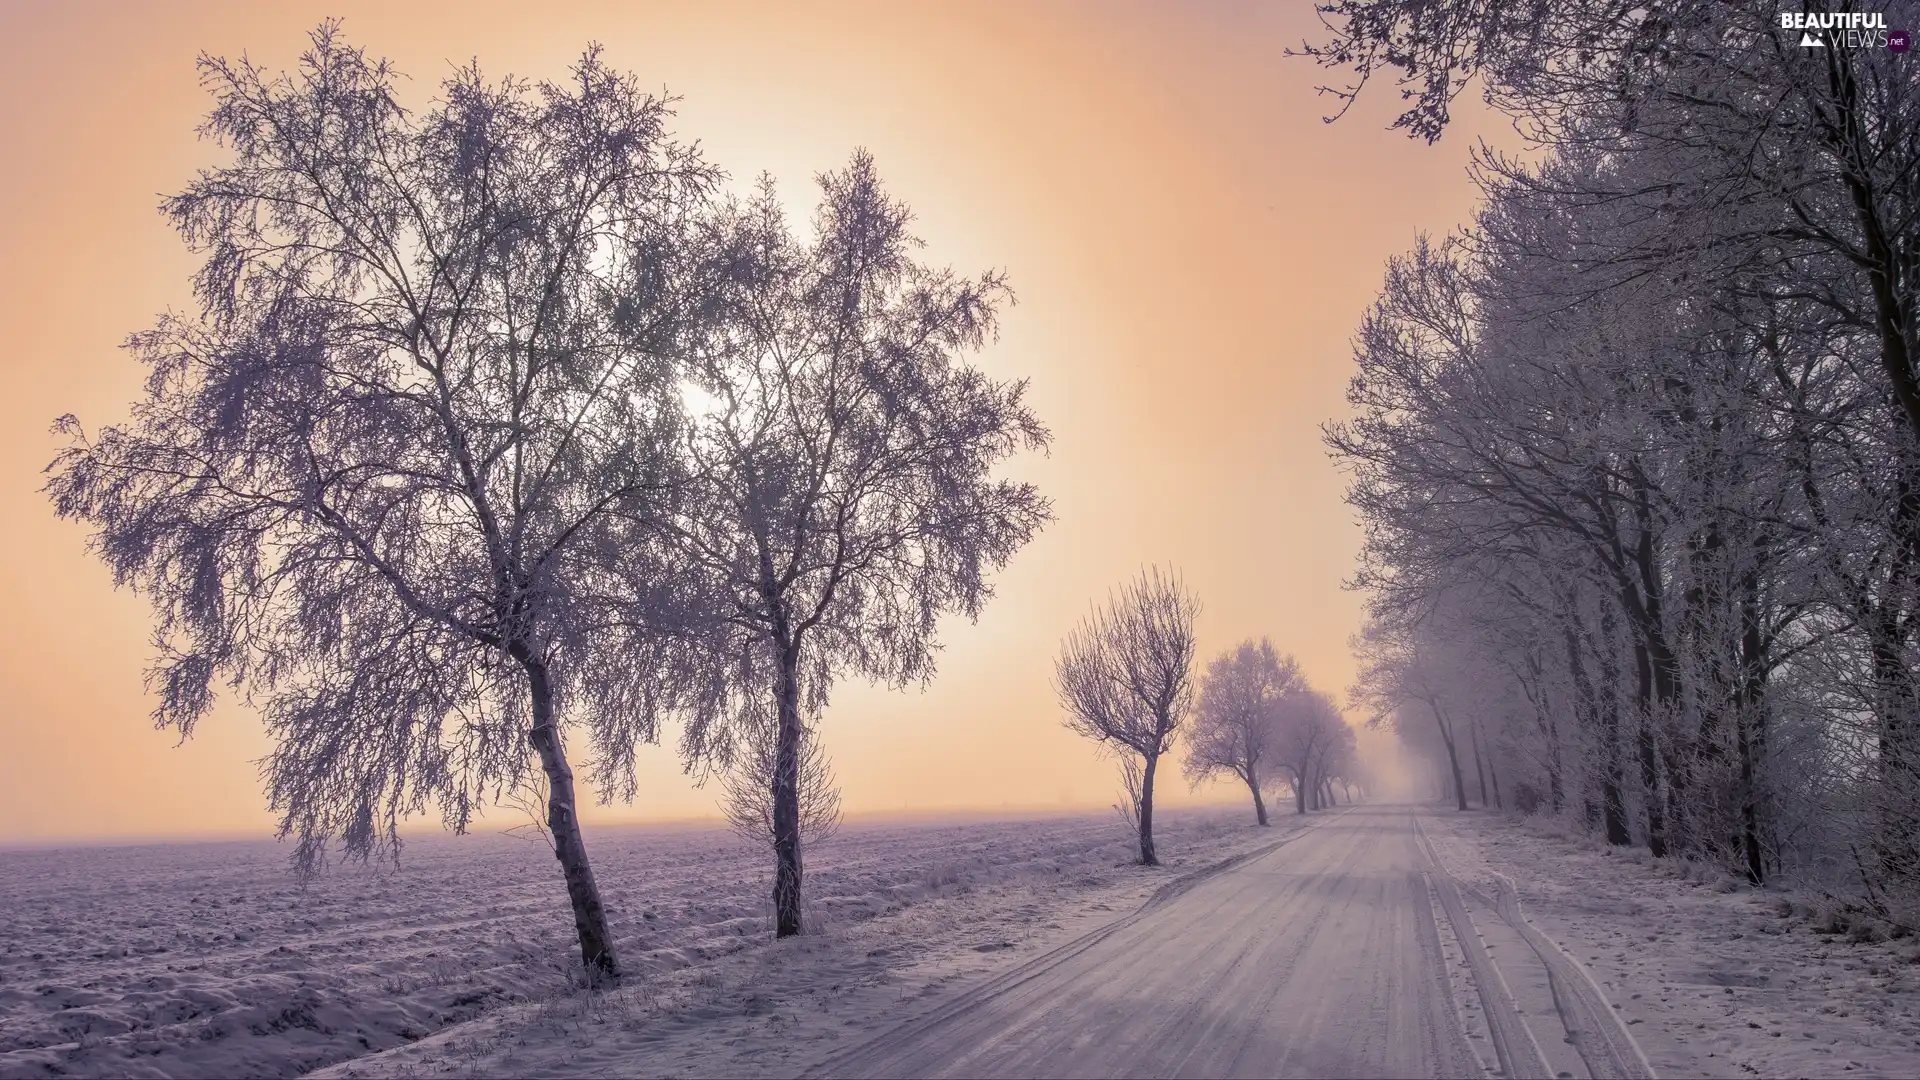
(212, 960)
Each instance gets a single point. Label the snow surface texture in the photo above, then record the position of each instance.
(780, 1008)
(1710, 977)
(208, 960)
(1309, 953)
(1317, 958)
(212, 960)
(1552, 978)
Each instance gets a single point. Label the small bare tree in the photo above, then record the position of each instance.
(746, 794)
(1124, 676)
(1233, 725)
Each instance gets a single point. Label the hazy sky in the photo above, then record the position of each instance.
(1190, 244)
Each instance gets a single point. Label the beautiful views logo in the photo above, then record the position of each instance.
(1845, 30)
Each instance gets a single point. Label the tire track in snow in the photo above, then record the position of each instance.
(903, 1035)
(1268, 977)
(1604, 1044)
(1513, 1043)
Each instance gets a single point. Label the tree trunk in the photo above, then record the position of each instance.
(1479, 770)
(1613, 783)
(1649, 768)
(1613, 772)
(1845, 138)
(1656, 663)
(1495, 777)
(1650, 785)
(1544, 721)
(1259, 804)
(786, 797)
(1898, 767)
(1750, 719)
(1299, 792)
(563, 821)
(1147, 856)
(1453, 755)
(1749, 801)
(1893, 318)
(1896, 699)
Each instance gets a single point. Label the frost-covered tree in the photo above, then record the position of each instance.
(1125, 678)
(1789, 179)
(1233, 719)
(1308, 735)
(842, 495)
(1401, 674)
(370, 481)
(1635, 454)
(1337, 761)
(747, 791)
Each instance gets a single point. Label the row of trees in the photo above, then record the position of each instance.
(501, 428)
(1125, 678)
(1638, 454)
(1257, 720)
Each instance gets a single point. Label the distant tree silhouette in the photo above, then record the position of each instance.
(1310, 736)
(1233, 723)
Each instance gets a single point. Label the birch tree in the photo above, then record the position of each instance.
(747, 792)
(369, 480)
(842, 493)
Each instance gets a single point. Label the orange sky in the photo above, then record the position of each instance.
(1190, 244)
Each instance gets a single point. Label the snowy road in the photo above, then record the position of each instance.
(1322, 956)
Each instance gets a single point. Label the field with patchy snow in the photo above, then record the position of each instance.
(212, 960)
